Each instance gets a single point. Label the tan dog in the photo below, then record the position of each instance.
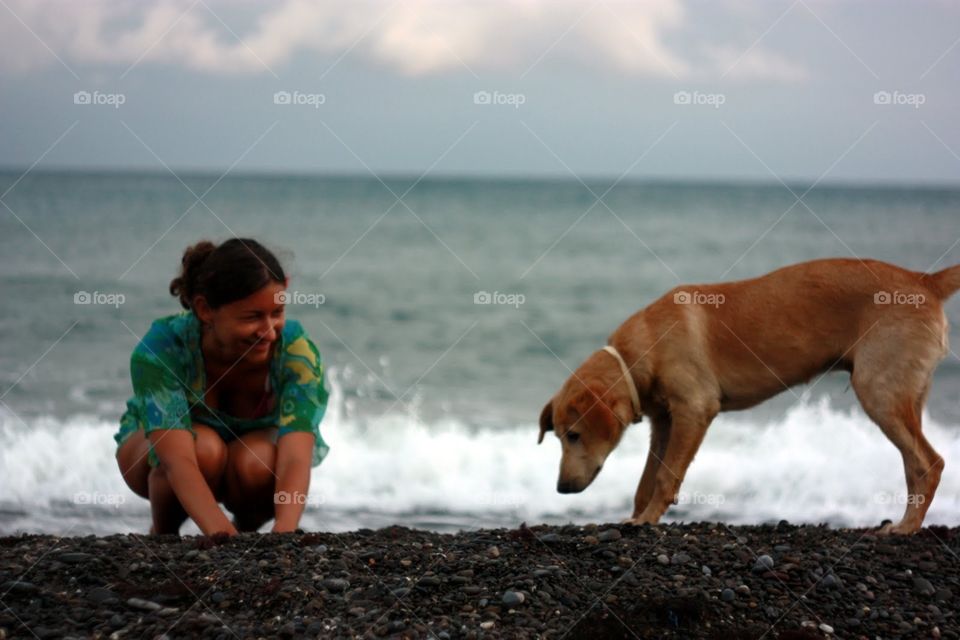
(702, 349)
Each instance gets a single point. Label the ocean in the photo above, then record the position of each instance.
(448, 311)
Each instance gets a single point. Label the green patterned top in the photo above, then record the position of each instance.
(169, 380)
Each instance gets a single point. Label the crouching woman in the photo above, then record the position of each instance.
(227, 399)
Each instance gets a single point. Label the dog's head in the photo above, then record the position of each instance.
(589, 415)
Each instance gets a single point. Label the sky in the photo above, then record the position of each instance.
(797, 91)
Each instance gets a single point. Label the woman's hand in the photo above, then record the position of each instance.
(178, 461)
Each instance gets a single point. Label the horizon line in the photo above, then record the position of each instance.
(480, 176)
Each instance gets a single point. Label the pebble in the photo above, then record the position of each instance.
(663, 558)
(826, 628)
(20, 586)
(335, 585)
(75, 558)
(680, 558)
(146, 605)
(727, 595)
(100, 595)
(923, 587)
(763, 564)
(828, 581)
(609, 535)
(513, 598)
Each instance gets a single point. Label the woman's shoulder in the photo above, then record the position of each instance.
(168, 336)
(292, 330)
(297, 342)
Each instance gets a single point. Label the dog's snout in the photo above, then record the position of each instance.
(565, 486)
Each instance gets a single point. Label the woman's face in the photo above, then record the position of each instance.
(247, 329)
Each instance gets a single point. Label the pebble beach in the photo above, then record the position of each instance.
(702, 580)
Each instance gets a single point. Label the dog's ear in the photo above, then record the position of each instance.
(546, 420)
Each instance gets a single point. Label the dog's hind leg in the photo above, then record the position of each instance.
(659, 436)
(892, 393)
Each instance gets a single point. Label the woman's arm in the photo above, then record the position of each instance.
(303, 399)
(178, 459)
(294, 457)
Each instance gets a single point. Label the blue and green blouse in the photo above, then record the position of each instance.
(169, 381)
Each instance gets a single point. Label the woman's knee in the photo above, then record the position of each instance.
(251, 464)
(134, 467)
(211, 453)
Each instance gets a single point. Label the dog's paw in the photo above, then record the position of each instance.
(898, 529)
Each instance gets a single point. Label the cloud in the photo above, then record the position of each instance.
(410, 37)
(755, 63)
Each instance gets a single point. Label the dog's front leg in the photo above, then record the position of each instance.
(685, 435)
(659, 436)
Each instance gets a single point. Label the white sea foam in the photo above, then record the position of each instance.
(813, 464)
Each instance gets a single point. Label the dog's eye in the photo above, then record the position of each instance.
(573, 437)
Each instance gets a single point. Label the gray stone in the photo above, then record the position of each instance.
(75, 558)
(336, 585)
(145, 605)
(923, 587)
(763, 563)
(609, 535)
(101, 595)
(828, 581)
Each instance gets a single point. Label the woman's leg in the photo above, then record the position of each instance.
(133, 463)
(250, 479)
(167, 513)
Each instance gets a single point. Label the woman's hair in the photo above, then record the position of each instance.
(224, 273)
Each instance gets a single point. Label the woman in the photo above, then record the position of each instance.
(228, 398)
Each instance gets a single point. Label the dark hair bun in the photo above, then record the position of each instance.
(184, 285)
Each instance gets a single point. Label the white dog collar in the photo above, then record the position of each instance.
(634, 396)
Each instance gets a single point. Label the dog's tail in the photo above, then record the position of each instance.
(945, 282)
